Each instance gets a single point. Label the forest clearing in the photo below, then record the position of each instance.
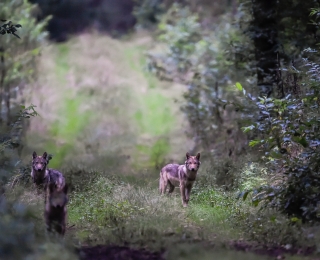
(112, 110)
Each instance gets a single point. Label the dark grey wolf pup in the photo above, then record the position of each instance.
(56, 208)
(41, 175)
(174, 175)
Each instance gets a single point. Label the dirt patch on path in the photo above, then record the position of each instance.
(117, 253)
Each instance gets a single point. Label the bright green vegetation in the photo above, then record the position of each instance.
(108, 102)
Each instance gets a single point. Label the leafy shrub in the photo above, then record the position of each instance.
(12, 141)
(148, 12)
(220, 173)
(18, 56)
(252, 176)
(288, 133)
(9, 28)
(270, 227)
(195, 56)
(17, 229)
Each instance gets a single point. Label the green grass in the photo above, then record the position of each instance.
(111, 210)
(106, 103)
(154, 117)
(67, 129)
(62, 62)
(115, 209)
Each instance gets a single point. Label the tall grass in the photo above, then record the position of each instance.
(95, 98)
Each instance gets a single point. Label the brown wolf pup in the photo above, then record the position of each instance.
(56, 208)
(180, 175)
(41, 175)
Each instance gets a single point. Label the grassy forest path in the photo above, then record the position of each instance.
(95, 99)
(110, 125)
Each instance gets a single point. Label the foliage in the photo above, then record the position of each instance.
(148, 12)
(288, 134)
(22, 235)
(222, 173)
(194, 56)
(18, 58)
(9, 28)
(274, 33)
(17, 229)
(269, 227)
(215, 208)
(12, 141)
(252, 176)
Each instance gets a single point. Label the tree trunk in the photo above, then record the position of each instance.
(265, 37)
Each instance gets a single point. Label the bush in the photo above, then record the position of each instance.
(18, 56)
(273, 229)
(16, 223)
(252, 176)
(288, 134)
(148, 12)
(195, 56)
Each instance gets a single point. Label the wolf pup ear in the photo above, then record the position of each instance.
(45, 155)
(198, 156)
(187, 155)
(34, 155)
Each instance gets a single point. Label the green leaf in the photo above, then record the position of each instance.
(273, 218)
(253, 143)
(245, 195)
(35, 51)
(246, 129)
(255, 203)
(275, 155)
(301, 140)
(239, 86)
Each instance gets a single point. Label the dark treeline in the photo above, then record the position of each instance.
(74, 16)
(279, 31)
(114, 17)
